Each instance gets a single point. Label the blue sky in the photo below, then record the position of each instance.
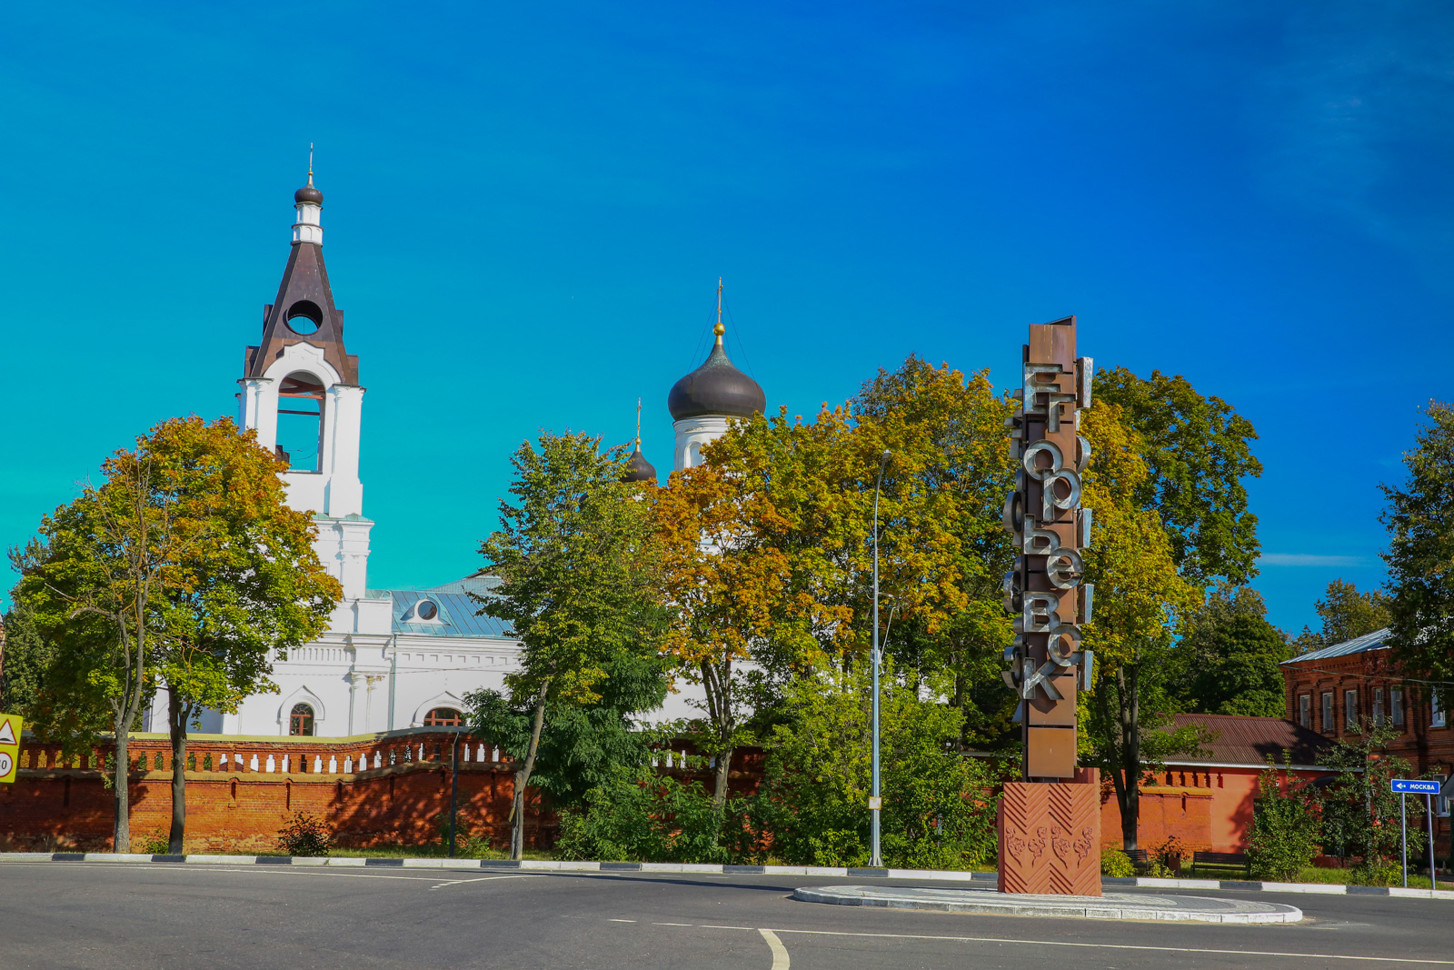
(528, 206)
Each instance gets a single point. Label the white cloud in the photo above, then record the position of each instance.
(1308, 559)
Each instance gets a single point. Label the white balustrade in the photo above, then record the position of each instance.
(252, 765)
(318, 764)
(271, 767)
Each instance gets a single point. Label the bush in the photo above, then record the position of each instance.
(305, 835)
(157, 843)
(1285, 825)
(641, 817)
(1117, 864)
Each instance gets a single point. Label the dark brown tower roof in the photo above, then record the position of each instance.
(716, 387)
(303, 312)
(638, 469)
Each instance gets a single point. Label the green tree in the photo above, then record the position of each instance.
(24, 658)
(1346, 614)
(949, 475)
(185, 567)
(1198, 451)
(1359, 809)
(251, 590)
(581, 745)
(1420, 557)
(90, 581)
(1138, 598)
(580, 579)
(938, 810)
(1237, 670)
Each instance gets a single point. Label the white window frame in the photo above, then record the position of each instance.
(1436, 713)
(1396, 706)
(1378, 705)
(1329, 726)
(1305, 710)
(1350, 709)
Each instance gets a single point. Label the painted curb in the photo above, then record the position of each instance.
(1184, 910)
(561, 865)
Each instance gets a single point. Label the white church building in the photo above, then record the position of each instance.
(401, 658)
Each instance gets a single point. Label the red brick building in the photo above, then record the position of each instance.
(1359, 682)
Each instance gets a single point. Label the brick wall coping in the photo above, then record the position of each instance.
(553, 865)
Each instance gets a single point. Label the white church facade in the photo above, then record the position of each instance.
(391, 659)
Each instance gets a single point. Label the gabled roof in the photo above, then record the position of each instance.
(1252, 740)
(1377, 640)
(456, 611)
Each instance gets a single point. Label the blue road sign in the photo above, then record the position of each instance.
(1414, 786)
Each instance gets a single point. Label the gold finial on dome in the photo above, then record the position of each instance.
(638, 424)
(310, 163)
(719, 330)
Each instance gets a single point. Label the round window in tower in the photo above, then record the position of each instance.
(304, 318)
(426, 610)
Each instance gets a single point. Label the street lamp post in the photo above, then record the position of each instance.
(875, 801)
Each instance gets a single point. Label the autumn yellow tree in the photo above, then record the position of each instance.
(941, 519)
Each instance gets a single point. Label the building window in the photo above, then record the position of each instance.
(443, 717)
(1328, 726)
(1396, 706)
(1350, 709)
(1378, 706)
(300, 722)
(1438, 719)
(1305, 710)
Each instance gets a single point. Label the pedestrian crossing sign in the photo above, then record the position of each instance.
(9, 746)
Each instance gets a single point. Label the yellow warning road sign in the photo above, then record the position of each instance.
(10, 725)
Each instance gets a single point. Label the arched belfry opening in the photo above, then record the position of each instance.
(300, 421)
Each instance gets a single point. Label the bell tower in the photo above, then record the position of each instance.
(300, 393)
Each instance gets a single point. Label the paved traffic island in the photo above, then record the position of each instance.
(1110, 906)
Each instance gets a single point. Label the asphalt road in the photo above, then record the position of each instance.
(160, 916)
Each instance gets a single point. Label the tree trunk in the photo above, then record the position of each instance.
(178, 713)
(522, 777)
(1130, 725)
(724, 768)
(121, 828)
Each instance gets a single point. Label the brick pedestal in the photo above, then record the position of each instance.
(1050, 836)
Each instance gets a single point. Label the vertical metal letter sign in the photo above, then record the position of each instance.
(1044, 590)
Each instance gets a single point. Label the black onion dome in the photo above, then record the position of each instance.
(716, 388)
(638, 469)
(308, 194)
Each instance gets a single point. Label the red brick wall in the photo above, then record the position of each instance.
(56, 804)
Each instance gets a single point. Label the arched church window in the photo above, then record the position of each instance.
(443, 717)
(300, 421)
(300, 722)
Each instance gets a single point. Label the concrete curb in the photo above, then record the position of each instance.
(556, 865)
(1174, 909)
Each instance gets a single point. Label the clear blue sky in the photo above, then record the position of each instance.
(528, 206)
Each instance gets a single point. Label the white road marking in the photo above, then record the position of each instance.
(612, 920)
(1123, 946)
(713, 926)
(460, 882)
(779, 952)
(671, 924)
